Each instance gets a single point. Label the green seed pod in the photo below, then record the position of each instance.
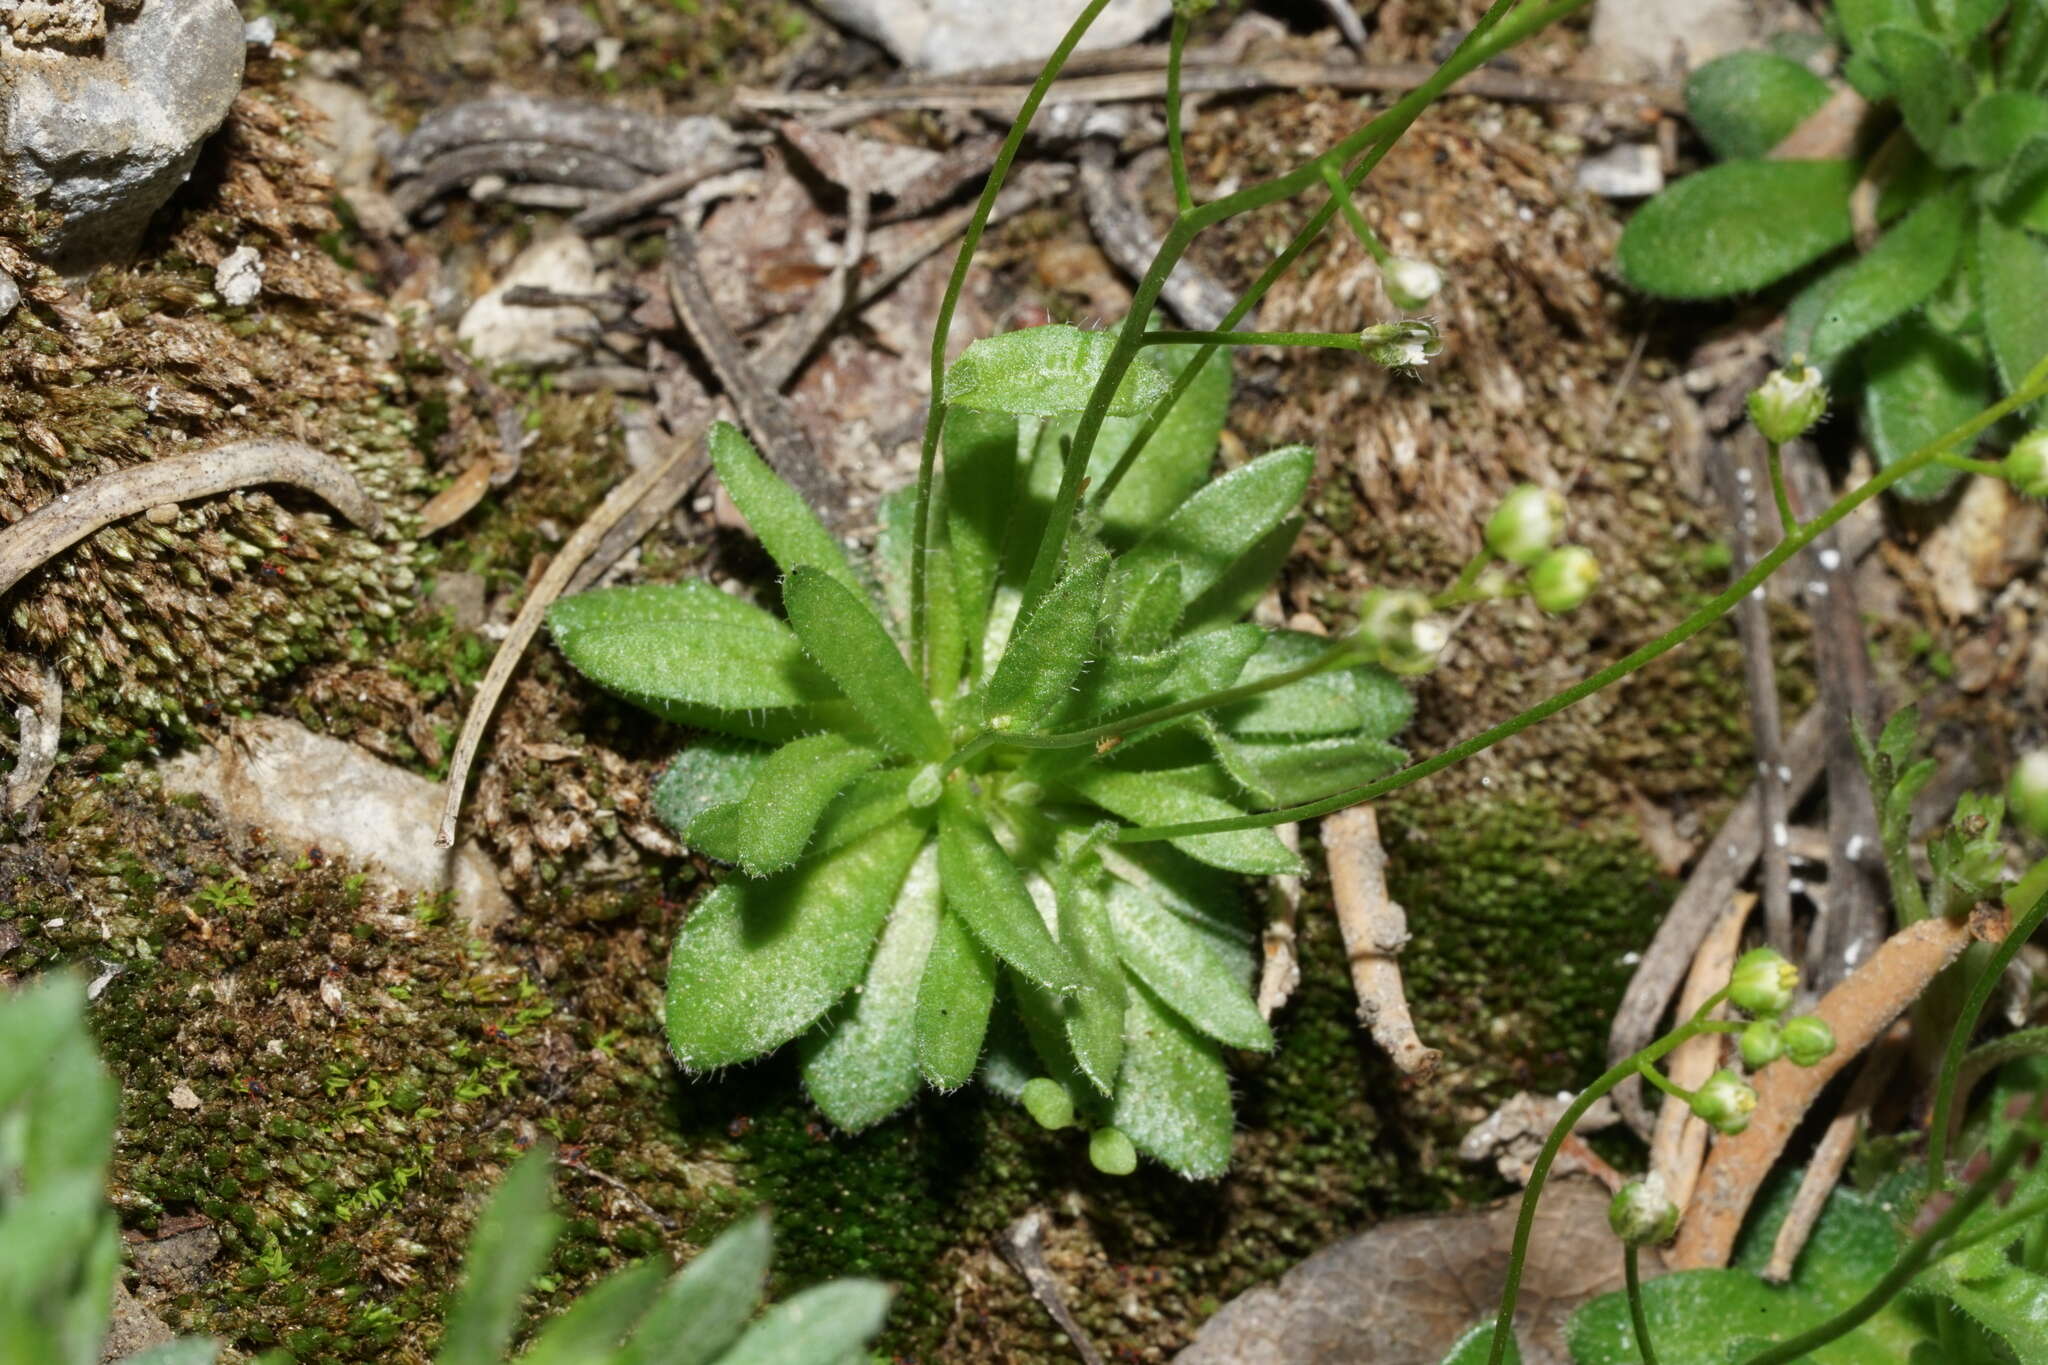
(1641, 1214)
(1046, 1100)
(1788, 402)
(1808, 1040)
(1402, 345)
(1725, 1101)
(1111, 1152)
(2026, 464)
(1411, 283)
(1403, 636)
(2026, 795)
(1761, 1044)
(1526, 524)
(1564, 578)
(1763, 982)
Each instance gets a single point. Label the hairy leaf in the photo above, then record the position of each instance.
(1173, 1099)
(2012, 285)
(1737, 227)
(1231, 598)
(1994, 128)
(1094, 1014)
(1745, 103)
(841, 632)
(710, 772)
(592, 1327)
(1047, 653)
(507, 1248)
(1919, 384)
(1179, 797)
(701, 1310)
(790, 794)
(1930, 84)
(1476, 1348)
(1289, 773)
(827, 1325)
(1170, 956)
(984, 888)
(1365, 699)
(1211, 530)
(685, 643)
(1146, 610)
(982, 471)
(757, 962)
(1044, 370)
(863, 1066)
(1908, 264)
(953, 1003)
(788, 529)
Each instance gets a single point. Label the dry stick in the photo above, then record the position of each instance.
(1859, 1011)
(636, 427)
(1201, 79)
(37, 726)
(652, 193)
(1831, 1154)
(1734, 476)
(1281, 970)
(1680, 1143)
(1348, 23)
(1127, 238)
(1023, 1246)
(526, 624)
(1721, 869)
(1375, 930)
(70, 517)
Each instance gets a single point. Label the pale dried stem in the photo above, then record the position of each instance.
(1375, 930)
(1680, 1142)
(1831, 1155)
(37, 727)
(1859, 1011)
(1023, 1246)
(1282, 970)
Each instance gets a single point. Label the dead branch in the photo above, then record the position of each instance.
(1831, 1154)
(1680, 1143)
(70, 517)
(1858, 1010)
(654, 193)
(1023, 1246)
(38, 724)
(1281, 971)
(1127, 238)
(1348, 23)
(1375, 930)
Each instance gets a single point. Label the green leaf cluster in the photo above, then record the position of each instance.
(59, 1245)
(704, 1314)
(1943, 310)
(922, 886)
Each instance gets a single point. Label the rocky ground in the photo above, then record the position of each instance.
(325, 1062)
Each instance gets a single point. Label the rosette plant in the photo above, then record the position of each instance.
(924, 885)
(1919, 263)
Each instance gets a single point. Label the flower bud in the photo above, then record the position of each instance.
(1761, 1044)
(1808, 1039)
(1564, 578)
(1405, 638)
(2026, 796)
(2026, 464)
(1111, 1152)
(1492, 583)
(1788, 402)
(1046, 1100)
(1725, 1101)
(925, 788)
(1641, 1214)
(1411, 283)
(1763, 982)
(1526, 524)
(1402, 345)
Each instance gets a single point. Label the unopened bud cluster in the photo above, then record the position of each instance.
(1763, 985)
(1524, 530)
(2026, 464)
(1642, 1214)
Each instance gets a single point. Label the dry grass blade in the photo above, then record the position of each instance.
(1831, 1154)
(1680, 1142)
(1375, 930)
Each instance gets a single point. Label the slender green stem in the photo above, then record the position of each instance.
(2033, 388)
(1495, 32)
(1632, 1280)
(1988, 1057)
(1335, 341)
(1370, 240)
(2018, 1216)
(1965, 1027)
(1910, 1263)
(1784, 499)
(1176, 158)
(1525, 1220)
(935, 417)
(1460, 590)
(1664, 1083)
(1991, 468)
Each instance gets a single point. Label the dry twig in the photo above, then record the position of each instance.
(1281, 971)
(37, 726)
(1831, 1154)
(1023, 1246)
(1680, 1143)
(1375, 930)
(1859, 1011)
(1127, 238)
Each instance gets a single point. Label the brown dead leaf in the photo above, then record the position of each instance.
(455, 502)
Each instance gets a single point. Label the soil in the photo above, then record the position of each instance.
(364, 1070)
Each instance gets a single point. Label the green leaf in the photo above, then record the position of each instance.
(1292, 772)
(1095, 1013)
(821, 1326)
(2023, 56)
(2012, 1306)
(1170, 956)
(953, 1003)
(1196, 665)
(1745, 103)
(841, 632)
(1366, 700)
(1211, 530)
(591, 1328)
(758, 961)
(1918, 385)
(862, 1067)
(1476, 1346)
(1963, 21)
(1737, 227)
(1146, 610)
(1231, 598)
(1994, 128)
(1930, 84)
(982, 470)
(788, 529)
(871, 802)
(1044, 370)
(711, 772)
(701, 1310)
(1860, 19)
(1173, 1099)
(506, 1250)
(1047, 653)
(1908, 264)
(984, 888)
(1179, 797)
(790, 795)
(685, 643)
(890, 560)
(2012, 288)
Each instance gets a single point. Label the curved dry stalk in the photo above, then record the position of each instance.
(1680, 1142)
(70, 517)
(1375, 930)
(38, 725)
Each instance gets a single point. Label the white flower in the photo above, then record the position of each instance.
(1402, 345)
(1412, 283)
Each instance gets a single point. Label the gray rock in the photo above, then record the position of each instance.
(104, 133)
(10, 296)
(501, 333)
(955, 35)
(1628, 170)
(238, 279)
(1654, 40)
